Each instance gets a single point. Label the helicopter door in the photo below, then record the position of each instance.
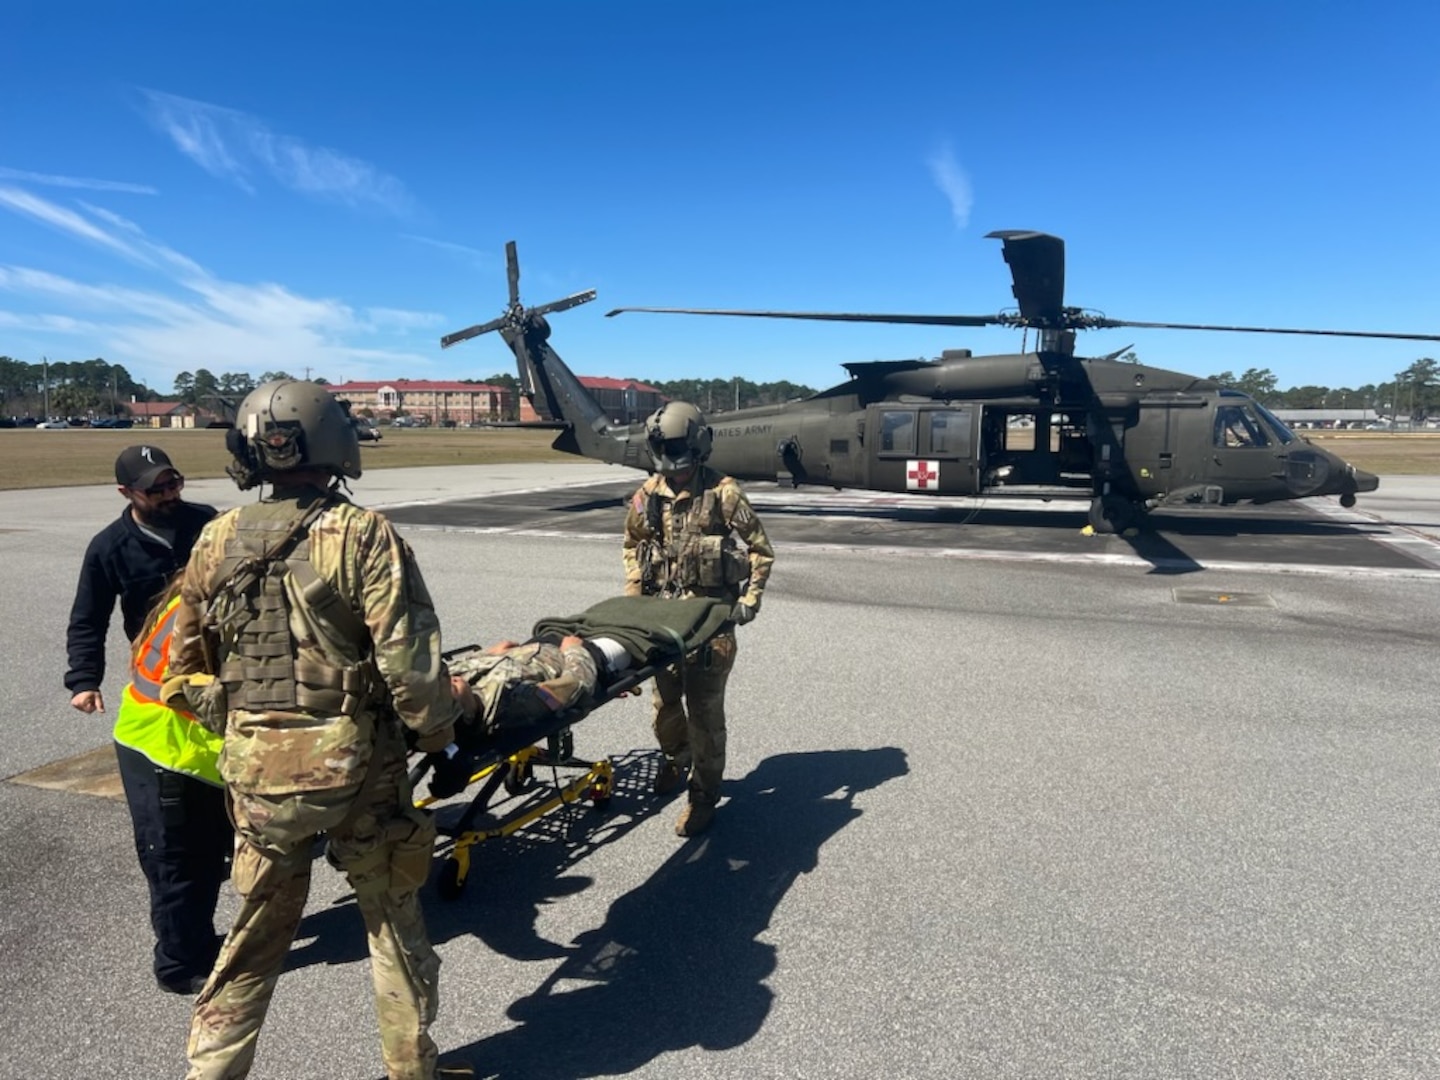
(921, 450)
(1244, 458)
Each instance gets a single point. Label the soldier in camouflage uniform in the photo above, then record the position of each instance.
(307, 635)
(680, 541)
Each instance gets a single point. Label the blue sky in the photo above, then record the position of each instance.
(329, 187)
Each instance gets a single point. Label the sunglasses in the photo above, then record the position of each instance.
(164, 489)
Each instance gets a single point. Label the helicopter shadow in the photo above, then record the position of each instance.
(678, 961)
(1219, 523)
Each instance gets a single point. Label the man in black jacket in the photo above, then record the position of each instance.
(131, 559)
(182, 834)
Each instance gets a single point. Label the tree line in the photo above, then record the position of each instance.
(100, 388)
(1414, 392)
(97, 387)
(722, 395)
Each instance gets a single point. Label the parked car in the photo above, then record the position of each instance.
(366, 431)
(53, 425)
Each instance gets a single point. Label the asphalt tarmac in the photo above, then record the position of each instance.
(1004, 800)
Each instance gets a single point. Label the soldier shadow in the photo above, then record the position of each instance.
(511, 879)
(678, 961)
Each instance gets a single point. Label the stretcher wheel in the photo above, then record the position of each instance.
(600, 797)
(450, 884)
(519, 778)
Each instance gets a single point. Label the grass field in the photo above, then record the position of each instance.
(30, 458)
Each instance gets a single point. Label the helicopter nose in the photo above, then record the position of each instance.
(1360, 480)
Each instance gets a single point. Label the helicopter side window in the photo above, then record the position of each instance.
(897, 432)
(950, 433)
(1237, 426)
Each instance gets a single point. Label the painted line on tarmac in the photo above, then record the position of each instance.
(1058, 558)
(1412, 543)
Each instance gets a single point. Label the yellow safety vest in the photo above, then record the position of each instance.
(171, 738)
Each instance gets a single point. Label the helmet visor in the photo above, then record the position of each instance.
(672, 454)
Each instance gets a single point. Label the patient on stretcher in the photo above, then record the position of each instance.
(570, 663)
(511, 685)
(512, 695)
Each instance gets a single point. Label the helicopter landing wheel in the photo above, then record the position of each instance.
(1113, 514)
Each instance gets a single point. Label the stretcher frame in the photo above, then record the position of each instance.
(510, 763)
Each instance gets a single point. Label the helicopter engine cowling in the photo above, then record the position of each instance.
(974, 378)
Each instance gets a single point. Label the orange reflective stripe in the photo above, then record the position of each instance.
(153, 656)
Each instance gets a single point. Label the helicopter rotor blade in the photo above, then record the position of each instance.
(472, 332)
(1102, 323)
(574, 300)
(1037, 270)
(820, 316)
(512, 272)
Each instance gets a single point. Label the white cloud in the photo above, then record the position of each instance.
(193, 319)
(235, 145)
(953, 182)
(75, 182)
(471, 255)
(59, 217)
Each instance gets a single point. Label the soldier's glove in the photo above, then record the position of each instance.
(742, 614)
(436, 740)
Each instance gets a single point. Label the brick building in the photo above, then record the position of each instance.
(426, 399)
(625, 401)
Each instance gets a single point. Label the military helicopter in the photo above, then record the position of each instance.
(1043, 424)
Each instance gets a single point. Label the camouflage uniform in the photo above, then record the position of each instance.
(526, 683)
(294, 774)
(676, 546)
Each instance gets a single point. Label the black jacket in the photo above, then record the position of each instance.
(123, 562)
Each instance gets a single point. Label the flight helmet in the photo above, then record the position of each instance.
(289, 424)
(678, 437)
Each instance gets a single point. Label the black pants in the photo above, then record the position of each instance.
(184, 840)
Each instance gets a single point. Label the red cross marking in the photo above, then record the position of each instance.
(919, 474)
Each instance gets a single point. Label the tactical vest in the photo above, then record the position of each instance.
(265, 571)
(167, 737)
(697, 557)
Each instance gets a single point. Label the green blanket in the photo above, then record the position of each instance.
(651, 629)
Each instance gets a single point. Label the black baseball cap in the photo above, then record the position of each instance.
(139, 467)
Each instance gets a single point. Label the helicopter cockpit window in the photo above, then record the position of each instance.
(950, 432)
(897, 432)
(1276, 425)
(1239, 426)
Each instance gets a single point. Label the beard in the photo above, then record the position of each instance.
(164, 513)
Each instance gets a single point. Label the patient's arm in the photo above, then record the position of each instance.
(464, 695)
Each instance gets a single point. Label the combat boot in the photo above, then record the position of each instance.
(695, 818)
(455, 1070)
(668, 778)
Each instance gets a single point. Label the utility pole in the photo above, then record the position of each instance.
(45, 384)
(737, 391)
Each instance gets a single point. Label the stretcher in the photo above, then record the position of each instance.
(508, 758)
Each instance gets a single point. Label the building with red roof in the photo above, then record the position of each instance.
(625, 401)
(428, 400)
